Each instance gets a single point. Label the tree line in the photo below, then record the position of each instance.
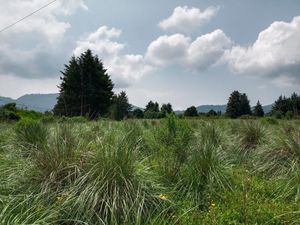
(86, 89)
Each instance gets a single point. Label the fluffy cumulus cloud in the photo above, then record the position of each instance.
(168, 49)
(275, 54)
(186, 20)
(207, 50)
(197, 55)
(125, 69)
(36, 47)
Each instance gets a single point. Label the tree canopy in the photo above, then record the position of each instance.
(86, 88)
(283, 105)
(120, 107)
(258, 110)
(238, 105)
(191, 111)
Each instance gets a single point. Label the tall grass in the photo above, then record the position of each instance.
(170, 145)
(207, 169)
(117, 187)
(281, 160)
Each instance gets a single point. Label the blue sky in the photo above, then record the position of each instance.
(182, 52)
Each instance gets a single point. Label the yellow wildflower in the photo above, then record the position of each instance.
(163, 197)
(213, 205)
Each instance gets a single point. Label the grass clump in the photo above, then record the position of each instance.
(170, 144)
(31, 134)
(281, 160)
(117, 187)
(206, 169)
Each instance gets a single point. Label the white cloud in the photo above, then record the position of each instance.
(200, 54)
(275, 53)
(100, 42)
(45, 22)
(125, 69)
(186, 20)
(207, 49)
(168, 49)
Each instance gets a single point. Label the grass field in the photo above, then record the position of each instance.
(170, 171)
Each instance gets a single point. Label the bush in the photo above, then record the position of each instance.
(8, 112)
(289, 115)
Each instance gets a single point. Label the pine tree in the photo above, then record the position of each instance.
(233, 108)
(238, 105)
(245, 105)
(86, 88)
(258, 110)
(120, 107)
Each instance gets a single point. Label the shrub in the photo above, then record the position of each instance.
(8, 112)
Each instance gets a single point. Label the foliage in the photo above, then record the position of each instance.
(169, 171)
(152, 111)
(31, 134)
(86, 88)
(120, 107)
(8, 112)
(238, 105)
(166, 109)
(258, 110)
(191, 112)
(284, 104)
(138, 113)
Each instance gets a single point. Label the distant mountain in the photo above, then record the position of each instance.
(37, 102)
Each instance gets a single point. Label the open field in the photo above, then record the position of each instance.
(170, 171)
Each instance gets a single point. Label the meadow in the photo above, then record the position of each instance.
(168, 171)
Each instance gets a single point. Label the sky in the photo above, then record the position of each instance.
(188, 52)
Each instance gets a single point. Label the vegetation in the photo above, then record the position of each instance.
(289, 107)
(86, 88)
(68, 168)
(169, 171)
(258, 110)
(238, 105)
(191, 112)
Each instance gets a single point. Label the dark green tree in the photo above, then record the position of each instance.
(211, 113)
(191, 112)
(152, 110)
(120, 107)
(245, 105)
(283, 105)
(86, 88)
(238, 105)
(258, 110)
(138, 113)
(166, 109)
